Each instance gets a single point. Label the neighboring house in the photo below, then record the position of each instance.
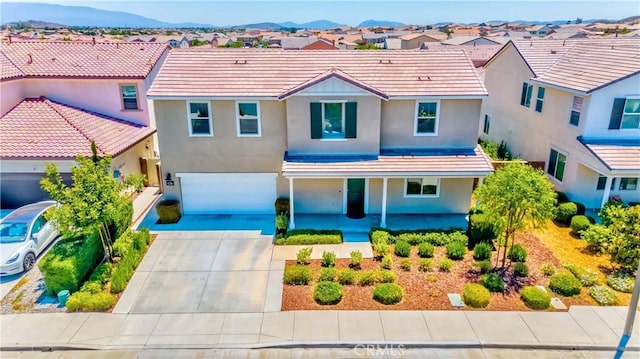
(470, 41)
(392, 44)
(249, 40)
(415, 40)
(574, 105)
(321, 44)
(539, 30)
(49, 88)
(323, 128)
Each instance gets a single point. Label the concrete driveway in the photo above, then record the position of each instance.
(206, 272)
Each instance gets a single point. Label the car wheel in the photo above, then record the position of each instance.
(29, 261)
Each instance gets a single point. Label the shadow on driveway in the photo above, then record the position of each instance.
(265, 223)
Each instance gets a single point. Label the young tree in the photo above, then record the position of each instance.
(516, 197)
(624, 227)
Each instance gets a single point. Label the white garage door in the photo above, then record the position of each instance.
(228, 192)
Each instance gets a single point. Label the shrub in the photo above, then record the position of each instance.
(137, 246)
(327, 275)
(92, 287)
(493, 282)
(476, 296)
(379, 236)
(535, 298)
(482, 251)
(311, 236)
(380, 249)
(327, 293)
(580, 209)
(456, 250)
(458, 237)
(88, 302)
(484, 266)
(122, 217)
(579, 223)
(565, 212)
(346, 276)
(621, 282)
(297, 275)
(303, 255)
(356, 259)
(587, 277)
(102, 274)
(481, 228)
(405, 264)
(386, 276)
(547, 270)
(445, 265)
(561, 197)
(388, 293)
(386, 262)
(135, 180)
(328, 259)
(282, 223)
(403, 249)
(425, 250)
(282, 206)
(69, 262)
(520, 269)
(437, 238)
(168, 211)
(366, 277)
(412, 238)
(564, 283)
(598, 238)
(517, 253)
(426, 264)
(603, 295)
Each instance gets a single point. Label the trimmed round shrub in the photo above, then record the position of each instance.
(445, 265)
(587, 277)
(493, 282)
(356, 259)
(425, 250)
(379, 236)
(456, 250)
(580, 208)
(565, 212)
(621, 282)
(579, 223)
(484, 266)
(482, 251)
(366, 277)
(168, 211)
(603, 295)
(327, 293)
(328, 259)
(547, 270)
(598, 238)
(380, 249)
(476, 296)
(297, 275)
(459, 237)
(388, 293)
(517, 253)
(304, 255)
(386, 276)
(565, 283)
(535, 298)
(405, 264)
(520, 269)
(403, 249)
(426, 264)
(386, 262)
(327, 275)
(346, 276)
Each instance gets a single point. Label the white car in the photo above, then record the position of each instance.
(24, 234)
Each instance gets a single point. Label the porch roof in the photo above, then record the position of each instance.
(616, 155)
(453, 162)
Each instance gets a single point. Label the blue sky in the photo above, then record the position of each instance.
(354, 12)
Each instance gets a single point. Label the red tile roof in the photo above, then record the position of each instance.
(42, 128)
(81, 59)
(270, 73)
(616, 155)
(8, 70)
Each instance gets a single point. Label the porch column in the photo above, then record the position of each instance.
(292, 222)
(607, 191)
(383, 220)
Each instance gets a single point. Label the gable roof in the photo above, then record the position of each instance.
(42, 128)
(270, 73)
(83, 59)
(333, 73)
(616, 154)
(8, 70)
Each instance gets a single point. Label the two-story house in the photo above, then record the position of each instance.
(574, 105)
(57, 97)
(337, 132)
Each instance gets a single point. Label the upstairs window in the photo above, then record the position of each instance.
(540, 99)
(525, 97)
(248, 119)
(557, 163)
(200, 123)
(129, 94)
(422, 187)
(426, 123)
(625, 114)
(333, 120)
(576, 109)
(487, 124)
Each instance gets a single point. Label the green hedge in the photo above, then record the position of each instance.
(130, 247)
(90, 302)
(69, 262)
(435, 237)
(311, 236)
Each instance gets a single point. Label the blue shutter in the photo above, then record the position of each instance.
(351, 120)
(316, 120)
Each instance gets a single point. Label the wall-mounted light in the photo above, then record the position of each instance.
(168, 179)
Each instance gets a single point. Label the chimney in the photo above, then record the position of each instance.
(9, 38)
(93, 40)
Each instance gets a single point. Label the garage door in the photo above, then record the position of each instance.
(228, 192)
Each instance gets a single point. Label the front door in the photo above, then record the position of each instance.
(355, 197)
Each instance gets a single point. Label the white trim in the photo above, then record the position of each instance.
(198, 174)
(210, 118)
(344, 119)
(366, 196)
(383, 215)
(629, 114)
(437, 195)
(277, 98)
(292, 221)
(561, 88)
(440, 97)
(333, 101)
(540, 99)
(437, 119)
(313, 175)
(213, 98)
(138, 103)
(345, 190)
(257, 103)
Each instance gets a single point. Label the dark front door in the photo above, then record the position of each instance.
(355, 197)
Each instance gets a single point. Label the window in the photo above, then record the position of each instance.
(631, 114)
(628, 183)
(333, 120)
(602, 181)
(540, 99)
(525, 97)
(422, 187)
(487, 124)
(199, 119)
(576, 109)
(426, 119)
(557, 162)
(248, 119)
(129, 95)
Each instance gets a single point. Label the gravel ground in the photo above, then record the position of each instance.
(29, 290)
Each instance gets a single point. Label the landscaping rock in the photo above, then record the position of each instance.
(456, 300)
(557, 304)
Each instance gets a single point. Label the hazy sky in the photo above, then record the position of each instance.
(354, 12)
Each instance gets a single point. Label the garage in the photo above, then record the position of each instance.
(250, 193)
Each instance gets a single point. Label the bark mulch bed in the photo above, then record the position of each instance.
(428, 290)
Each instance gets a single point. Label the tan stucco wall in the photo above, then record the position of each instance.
(457, 124)
(318, 195)
(129, 161)
(299, 127)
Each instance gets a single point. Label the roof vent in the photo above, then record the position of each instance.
(384, 61)
(424, 78)
(553, 52)
(241, 61)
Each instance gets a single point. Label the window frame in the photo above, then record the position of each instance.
(258, 119)
(436, 118)
(555, 167)
(487, 124)
(576, 110)
(343, 104)
(624, 181)
(122, 103)
(422, 195)
(539, 99)
(526, 95)
(210, 118)
(624, 113)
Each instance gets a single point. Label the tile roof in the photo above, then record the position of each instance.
(616, 155)
(8, 70)
(469, 161)
(478, 54)
(333, 73)
(270, 73)
(83, 59)
(42, 128)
